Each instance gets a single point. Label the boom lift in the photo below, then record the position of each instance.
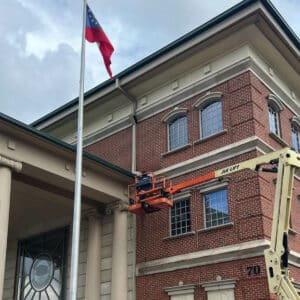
(150, 193)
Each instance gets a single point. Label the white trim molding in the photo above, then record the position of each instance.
(215, 156)
(176, 112)
(203, 257)
(180, 289)
(295, 121)
(275, 102)
(219, 285)
(211, 256)
(209, 97)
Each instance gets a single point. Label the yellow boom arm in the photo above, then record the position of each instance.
(276, 257)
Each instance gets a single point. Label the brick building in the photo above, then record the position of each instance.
(224, 93)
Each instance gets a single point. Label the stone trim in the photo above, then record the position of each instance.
(182, 195)
(181, 289)
(215, 156)
(275, 102)
(212, 185)
(181, 148)
(219, 285)
(92, 212)
(207, 138)
(183, 235)
(12, 164)
(208, 98)
(211, 256)
(176, 112)
(116, 205)
(295, 121)
(230, 224)
(278, 139)
(204, 257)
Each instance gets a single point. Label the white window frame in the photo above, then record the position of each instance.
(211, 187)
(295, 124)
(275, 104)
(171, 116)
(182, 291)
(205, 101)
(216, 288)
(177, 198)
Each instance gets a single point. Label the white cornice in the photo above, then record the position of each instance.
(102, 133)
(222, 69)
(250, 63)
(255, 13)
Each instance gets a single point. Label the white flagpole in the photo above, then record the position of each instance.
(78, 174)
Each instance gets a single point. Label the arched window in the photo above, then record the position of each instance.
(211, 121)
(295, 128)
(274, 107)
(176, 121)
(178, 133)
(210, 114)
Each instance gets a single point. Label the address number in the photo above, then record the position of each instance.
(253, 270)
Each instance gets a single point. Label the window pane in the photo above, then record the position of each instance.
(41, 265)
(211, 119)
(295, 138)
(216, 208)
(273, 120)
(178, 133)
(181, 223)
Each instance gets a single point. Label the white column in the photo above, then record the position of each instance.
(6, 167)
(93, 268)
(119, 285)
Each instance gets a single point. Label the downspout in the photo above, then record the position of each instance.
(133, 122)
(133, 170)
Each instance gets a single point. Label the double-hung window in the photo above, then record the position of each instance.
(210, 114)
(274, 107)
(178, 134)
(180, 217)
(295, 131)
(216, 208)
(211, 121)
(295, 138)
(177, 128)
(273, 120)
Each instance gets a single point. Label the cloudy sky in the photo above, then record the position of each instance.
(40, 43)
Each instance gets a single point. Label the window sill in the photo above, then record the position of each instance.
(172, 237)
(278, 139)
(230, 224)
(176, 150)
(202, 140)
(292, 231)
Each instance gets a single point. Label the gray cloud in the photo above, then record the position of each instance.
(40, 44)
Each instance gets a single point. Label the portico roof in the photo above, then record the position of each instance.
(48, 163)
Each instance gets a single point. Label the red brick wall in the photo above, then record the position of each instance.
(238, 124)
(248, 286)
(250, 195)
(116, 148)
(244, 210)
(260, 104)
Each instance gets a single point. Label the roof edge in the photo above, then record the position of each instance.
(63, 144)
(169, 47)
